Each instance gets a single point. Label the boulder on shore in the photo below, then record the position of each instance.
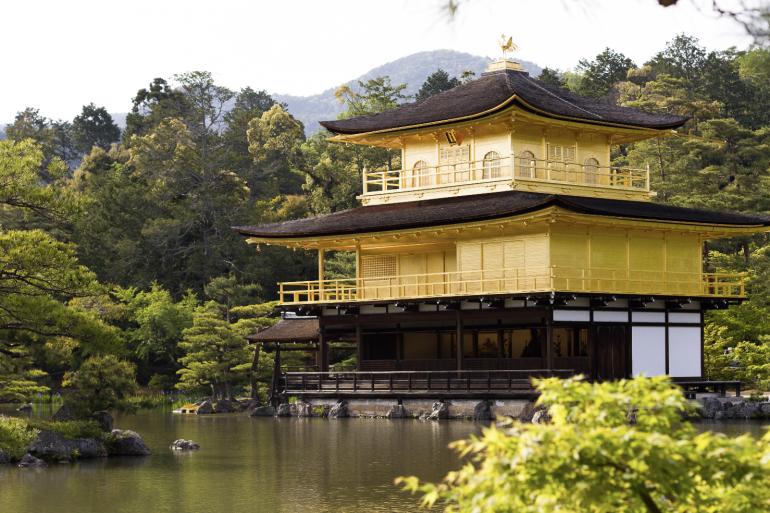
(227, 406)
(125, 442)
(25, 408)
(65, 412)
(483, 411)
(339, 410)
(184, 445)
(283, 410)
(5, 458)
(262, 411)
(52, 446)
(396, 411)
(29, 461)
(304, 409)
(205, 408)
(440, 411)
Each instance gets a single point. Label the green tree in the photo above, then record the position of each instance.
(275, 139)
(601, 74)
(216, 356)
(616, 446)
(94, 127)
(101, 383)
(552, 77)
(437, 82)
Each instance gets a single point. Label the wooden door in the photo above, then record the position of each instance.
(610, 352)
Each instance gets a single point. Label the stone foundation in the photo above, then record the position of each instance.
(414, 408)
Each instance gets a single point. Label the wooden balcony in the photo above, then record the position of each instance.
(513, 172)
(514, 281)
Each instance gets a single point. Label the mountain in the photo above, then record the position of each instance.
(411, 70)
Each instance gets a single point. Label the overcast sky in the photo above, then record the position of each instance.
(59, 55)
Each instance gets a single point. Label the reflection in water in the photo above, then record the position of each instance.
(246, 465)
(254, 465)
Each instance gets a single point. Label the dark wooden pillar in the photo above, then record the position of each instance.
(549, 338)
(359, 347)
(459, 341)
(323, 353)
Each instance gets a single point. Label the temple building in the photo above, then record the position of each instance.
(507, 246)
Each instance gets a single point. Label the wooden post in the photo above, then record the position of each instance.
(359, 347)
(321, 253)
(549, 338)
(459, 342)
(255, 371)
(323, 353)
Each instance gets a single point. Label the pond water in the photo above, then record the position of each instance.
(252, 465)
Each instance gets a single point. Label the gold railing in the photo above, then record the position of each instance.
(512, 167)
(503, 281)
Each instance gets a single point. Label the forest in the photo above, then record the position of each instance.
(119, 262)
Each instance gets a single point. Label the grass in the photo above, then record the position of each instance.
(69, 428)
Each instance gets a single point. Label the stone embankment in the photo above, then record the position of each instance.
(50, 446)
(744, 408)
(423, 409)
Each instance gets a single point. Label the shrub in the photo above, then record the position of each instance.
(618, 446)
(15, 436)
(101, 383)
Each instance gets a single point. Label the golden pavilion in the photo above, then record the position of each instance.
(507, 246)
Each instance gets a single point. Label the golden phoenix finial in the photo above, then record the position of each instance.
(507, 45)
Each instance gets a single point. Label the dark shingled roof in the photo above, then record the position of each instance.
(288, 330)
(479, 207)
(495, 91)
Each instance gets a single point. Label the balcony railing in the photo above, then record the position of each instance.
(505, 281)
(514, 168)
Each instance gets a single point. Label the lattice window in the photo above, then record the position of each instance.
(559, 153)
(378, 266)
(455, 154)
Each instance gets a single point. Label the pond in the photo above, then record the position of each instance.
(252, 465)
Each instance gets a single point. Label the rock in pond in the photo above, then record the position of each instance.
(184, 445)
(205, 408)
(262, 411)
(25, 408)
(125, 442)
(29, 461)
(339, 410)
(440, 411)
(51, 446)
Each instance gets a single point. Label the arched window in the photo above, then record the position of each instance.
(526, 165)
(491, 165)
(591, 170)
(421, 173)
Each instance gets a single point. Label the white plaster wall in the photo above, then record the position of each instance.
(648, 350)
(684, 358)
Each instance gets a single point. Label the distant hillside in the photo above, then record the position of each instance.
(411, 70)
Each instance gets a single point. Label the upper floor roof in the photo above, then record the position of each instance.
(484, 207)
(495, 91)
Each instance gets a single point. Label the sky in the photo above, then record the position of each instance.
(61, 55)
